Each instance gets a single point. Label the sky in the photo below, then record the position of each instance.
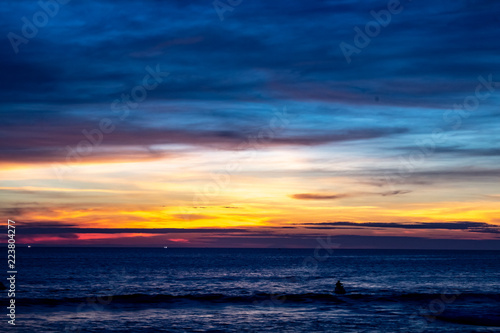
(237, 123)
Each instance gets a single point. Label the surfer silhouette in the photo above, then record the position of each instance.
(339, 288)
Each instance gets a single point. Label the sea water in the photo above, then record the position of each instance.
(254, 290)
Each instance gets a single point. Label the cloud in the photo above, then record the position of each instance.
(397, 58)
(194, 217)
(390, 193)
(459, 151)
(64, 81)
(424, 176)
(301, 52)
(238, 238)
(226, 79)
(13, 211)
(57, 138)
(46, 224)
(25, 230)
(318, 196)
(338, 242)
(179, 240)
(458, 225)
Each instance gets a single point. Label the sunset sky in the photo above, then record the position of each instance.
(184, 124)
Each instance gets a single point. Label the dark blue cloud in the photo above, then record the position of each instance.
(427, 48)
(226, 76)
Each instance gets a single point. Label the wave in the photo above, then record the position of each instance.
(465, 309)
(258, 298)
(470, 319)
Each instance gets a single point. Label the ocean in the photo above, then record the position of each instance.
(254, 290)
